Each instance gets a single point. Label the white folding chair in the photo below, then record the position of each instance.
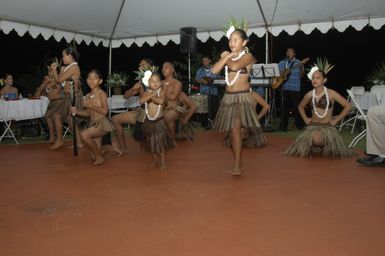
(66, 129)
(379, 91)
(8, 133)
(360, 116)
(356, 90)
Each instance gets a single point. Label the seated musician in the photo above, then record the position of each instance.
(205, 78)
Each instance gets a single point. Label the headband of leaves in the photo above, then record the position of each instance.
(322, 65)
(144, 74)
(233, 24)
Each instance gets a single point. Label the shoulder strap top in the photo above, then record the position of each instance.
(322, 103)
(243, 70)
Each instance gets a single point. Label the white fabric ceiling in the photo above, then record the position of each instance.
(154, 21)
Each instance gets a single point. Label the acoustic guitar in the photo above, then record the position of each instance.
(279, 80)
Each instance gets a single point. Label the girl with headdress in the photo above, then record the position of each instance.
(320, 136)
(69, 78)
(236, 110)
(133, 117)
(156, 137)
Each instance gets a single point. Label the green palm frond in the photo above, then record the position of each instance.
(140, 73)
(378, 75)
(324, 65)
(237, 25)
(117, 79)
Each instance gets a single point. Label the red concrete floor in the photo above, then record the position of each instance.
(55, 204)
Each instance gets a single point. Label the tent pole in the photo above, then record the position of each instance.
(267, 91)
(267, 45)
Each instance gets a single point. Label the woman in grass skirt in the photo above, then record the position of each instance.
(236, 110)
(321, 136)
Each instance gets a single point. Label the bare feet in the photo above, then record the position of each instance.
(99, 160)
(51, 140)
(236, 172)
(79, 146)
(154, 164)
(117, 151)
(56, 145)
(163, 167)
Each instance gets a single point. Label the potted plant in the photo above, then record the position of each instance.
(378, 76)
(117, 81)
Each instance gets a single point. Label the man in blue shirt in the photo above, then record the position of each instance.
(291, 89)
(205, 78)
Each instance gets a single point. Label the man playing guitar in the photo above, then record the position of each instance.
(291, 89)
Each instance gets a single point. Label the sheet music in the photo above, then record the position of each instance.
(253, 82)
(265, 70)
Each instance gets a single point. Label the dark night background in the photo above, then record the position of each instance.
(355, 54)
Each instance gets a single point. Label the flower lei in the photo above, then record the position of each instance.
(231, 83)
(157, 111)
(327, 103)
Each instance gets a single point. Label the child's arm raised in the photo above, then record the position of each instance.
(134, 90)
(158, 100)
(245, 61)
(218, 66)
(146, 96)
(63, 76)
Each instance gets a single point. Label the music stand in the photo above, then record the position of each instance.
(264, 71)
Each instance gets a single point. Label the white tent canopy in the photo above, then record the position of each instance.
(139, 21)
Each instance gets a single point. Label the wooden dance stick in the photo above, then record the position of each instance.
(74, 125)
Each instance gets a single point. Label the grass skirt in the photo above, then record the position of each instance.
(239, 106)
(251, 138)
(65, 106)
(334, 145)
(137, 129)
(140, 114)
(54, 106)
(236, 106)
(103, 123)
(156, 137)
(183, 131)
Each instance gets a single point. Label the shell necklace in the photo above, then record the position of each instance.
(231, 83)
(158, 110)
(327, 103)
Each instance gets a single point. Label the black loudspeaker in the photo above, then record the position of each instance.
(188, 40)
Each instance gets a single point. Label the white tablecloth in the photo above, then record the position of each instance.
(23, 109)
(117, 101)
(366, 100)
(383, 100)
